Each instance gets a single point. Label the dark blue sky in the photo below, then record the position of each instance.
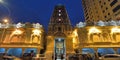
(40, 10)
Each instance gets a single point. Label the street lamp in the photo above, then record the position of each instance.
(5, 20)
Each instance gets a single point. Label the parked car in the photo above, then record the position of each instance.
(110, 57)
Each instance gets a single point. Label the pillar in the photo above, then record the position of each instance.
(95, 50)
(96, 54)
(116, 50)
(38, 50)
(89, 37)
(6, 49)
(80, 50)
(23, 50)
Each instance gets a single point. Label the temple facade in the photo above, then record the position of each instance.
(60, 39)
(26, 37)
(21, 38)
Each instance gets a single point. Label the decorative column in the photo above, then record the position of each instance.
(23, 50)
(38, 50)
(116, 50)
(96, 54)
(80, 50)
(6, 49)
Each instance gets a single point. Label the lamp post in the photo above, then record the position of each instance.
(5, 22)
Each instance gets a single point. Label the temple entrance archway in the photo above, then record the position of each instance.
(59, 48)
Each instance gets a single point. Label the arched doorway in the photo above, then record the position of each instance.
(59, 48)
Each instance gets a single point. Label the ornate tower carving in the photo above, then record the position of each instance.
(59, 23)
(59, 29)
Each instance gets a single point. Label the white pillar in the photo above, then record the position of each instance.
(23, 50)
(96, 53)
(116, 50)
(38, 50)
(6, 49)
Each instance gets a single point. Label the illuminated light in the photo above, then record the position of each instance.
(115, 30)
(59, 39)
(59, 10)
(59, 14)
(94, 30)
(36, 32)
(75, 33)
(5, 20)
(59, 19)
(74, 40)
(17, 32)
(37, 55)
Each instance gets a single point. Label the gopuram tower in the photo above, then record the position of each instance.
(59, 39)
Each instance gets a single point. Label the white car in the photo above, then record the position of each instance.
(110, 57)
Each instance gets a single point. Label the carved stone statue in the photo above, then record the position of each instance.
(101, 23)
(81, 24)
(37, 25)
